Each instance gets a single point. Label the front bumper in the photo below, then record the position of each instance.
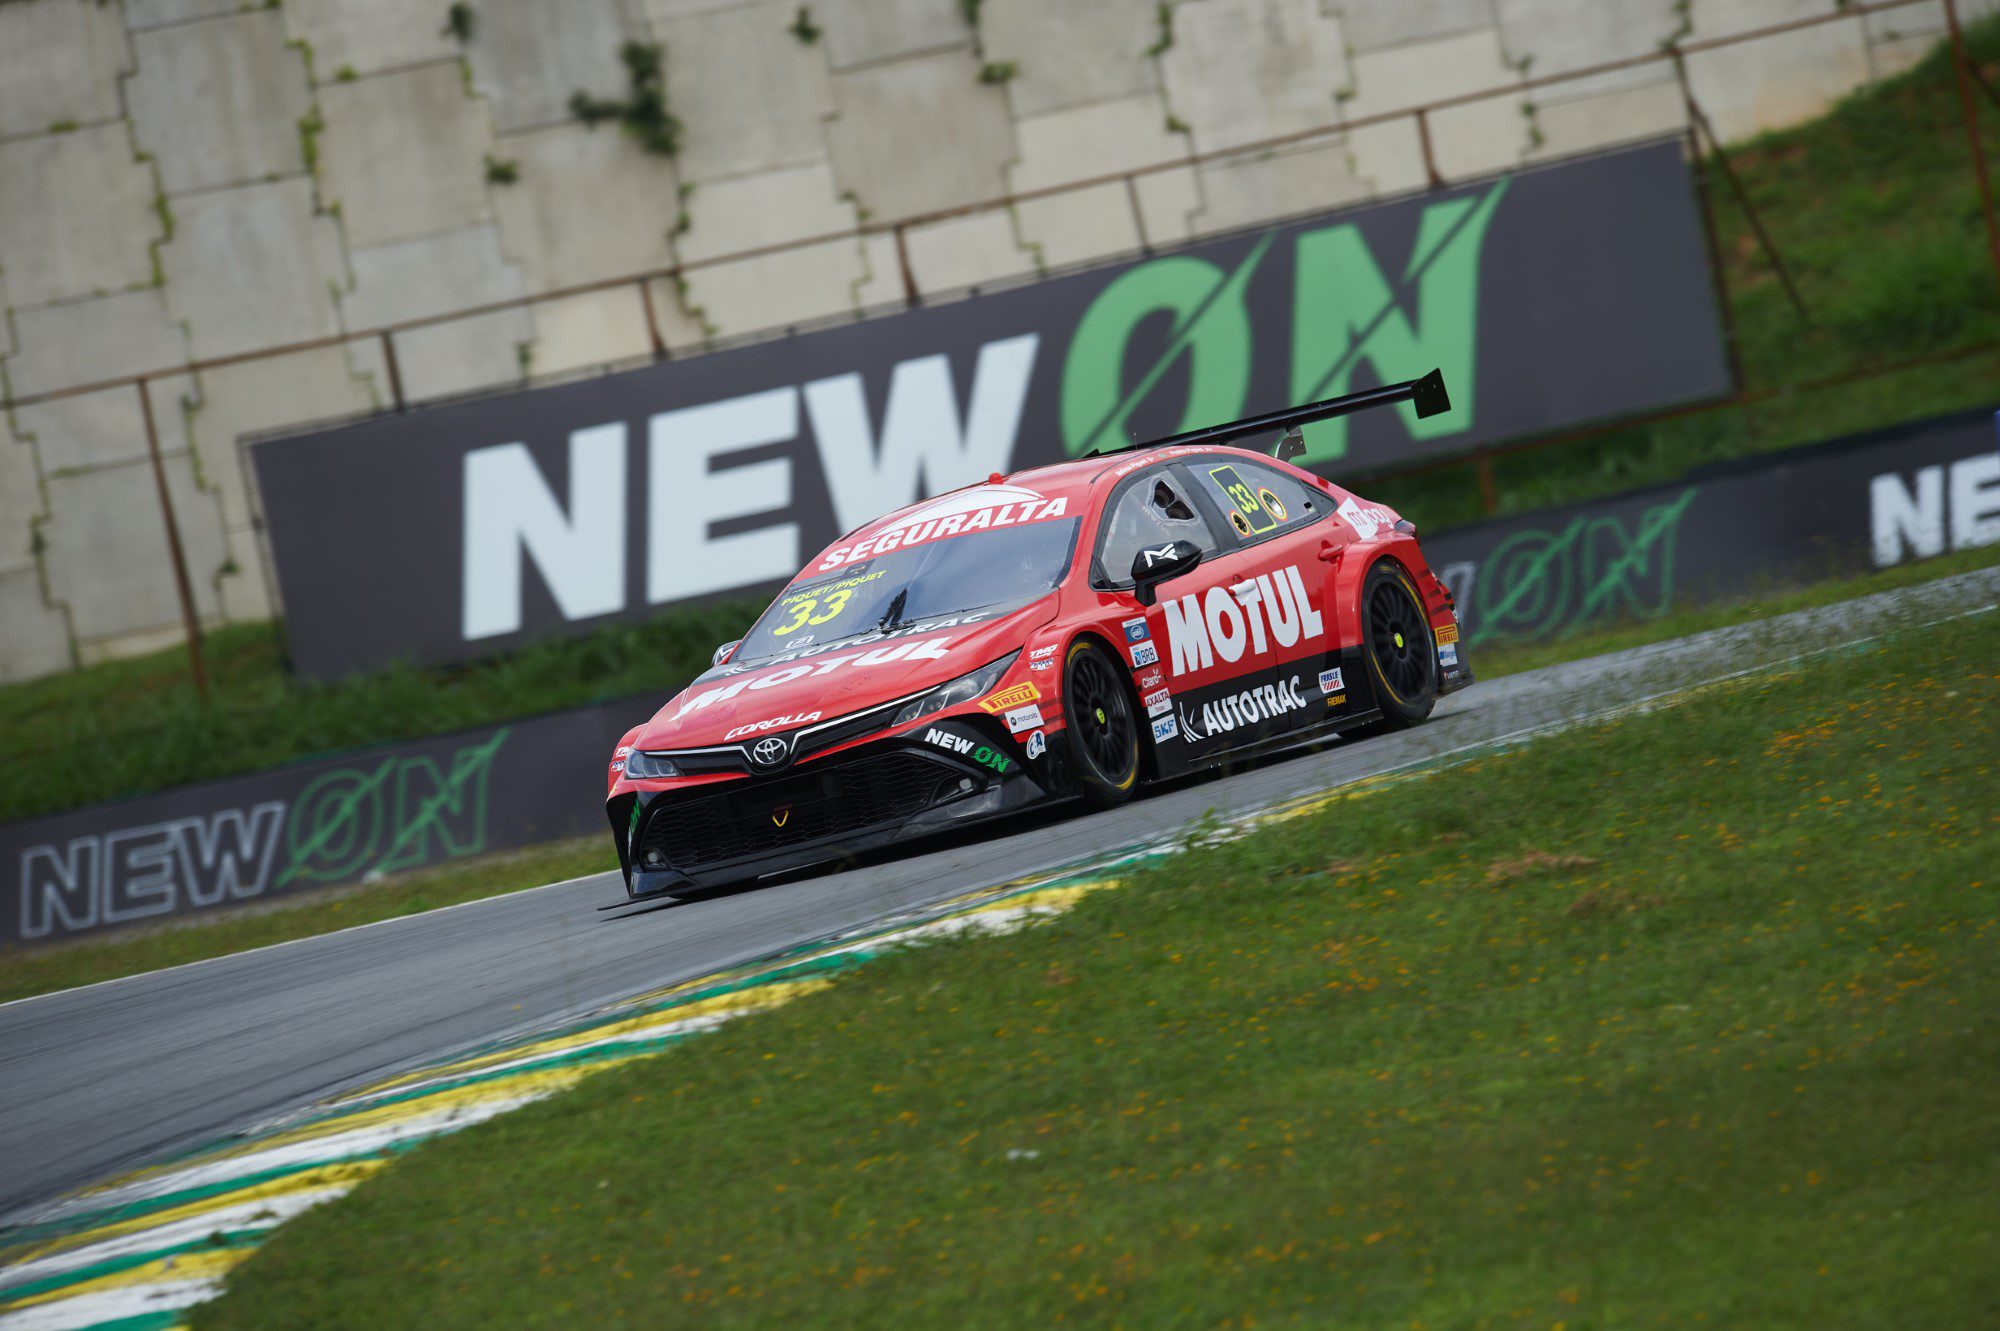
(935, 776)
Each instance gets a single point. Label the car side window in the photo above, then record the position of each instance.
(1151, 512)
(1257, 500)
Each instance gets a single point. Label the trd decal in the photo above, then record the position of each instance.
(1272, 610)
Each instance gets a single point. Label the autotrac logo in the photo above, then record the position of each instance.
(1265, 702)
(977, 509)
(1270, 610)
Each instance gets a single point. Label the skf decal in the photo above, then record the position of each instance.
(1163, 729)
(1006, 698)
(1135, 630)
(1273, 609)
(1023, 718)
(1263, 703)
(775, 723)
(955, 514)
(1144, 654)
(1159, 703)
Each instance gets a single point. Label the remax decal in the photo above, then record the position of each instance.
(956, 514)
(1270, 611)
(997, 703)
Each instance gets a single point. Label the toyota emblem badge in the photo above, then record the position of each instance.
(770, 752)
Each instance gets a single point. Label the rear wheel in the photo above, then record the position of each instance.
(1103, 728)
(1400, 650)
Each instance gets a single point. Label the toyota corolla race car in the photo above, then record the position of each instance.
(1066, 632)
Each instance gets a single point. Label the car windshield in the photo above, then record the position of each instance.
(937, 579)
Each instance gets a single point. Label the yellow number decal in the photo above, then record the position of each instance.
(1256, 518)
(835, 603)
(801, 616)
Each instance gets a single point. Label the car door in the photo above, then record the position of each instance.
(1254, 656)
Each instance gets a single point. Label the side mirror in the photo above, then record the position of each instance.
(1154, 566)
(722, 652)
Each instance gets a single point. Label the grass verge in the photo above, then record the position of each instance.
(28, 971)
(1686, 1017)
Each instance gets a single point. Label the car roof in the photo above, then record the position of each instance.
(1073, 483)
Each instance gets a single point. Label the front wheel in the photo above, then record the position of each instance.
(1103, 728)
(1400, 651)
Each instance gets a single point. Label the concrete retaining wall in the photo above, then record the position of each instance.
(182, 179)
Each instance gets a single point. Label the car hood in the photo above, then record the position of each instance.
(732, 702)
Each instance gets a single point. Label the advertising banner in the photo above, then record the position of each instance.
(1871, 501)
(1549, 297)
(1723, 532)
(290, 830)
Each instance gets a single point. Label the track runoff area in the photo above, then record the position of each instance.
(159, 1127)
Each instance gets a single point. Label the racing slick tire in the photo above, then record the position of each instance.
(1103, 729)
(1398, 647)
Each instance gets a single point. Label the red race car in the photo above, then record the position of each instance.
(1065, 632)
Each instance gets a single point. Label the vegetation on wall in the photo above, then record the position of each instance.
(643, 112)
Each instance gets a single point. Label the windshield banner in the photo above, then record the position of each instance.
(1549, 297)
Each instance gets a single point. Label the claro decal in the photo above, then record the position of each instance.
(440, 534)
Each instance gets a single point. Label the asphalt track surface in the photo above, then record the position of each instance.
(115, 1075)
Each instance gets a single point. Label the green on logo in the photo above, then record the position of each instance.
(1345, 310)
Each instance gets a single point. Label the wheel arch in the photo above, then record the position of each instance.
(1149, 762)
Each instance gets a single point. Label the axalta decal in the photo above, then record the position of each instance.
(977, 509)
(1266, 702)
(1272, 610)
(927, 649)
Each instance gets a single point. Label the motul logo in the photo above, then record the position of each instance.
(1270, 610)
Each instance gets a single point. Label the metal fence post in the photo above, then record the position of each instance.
(1961, 62)
(196, 664)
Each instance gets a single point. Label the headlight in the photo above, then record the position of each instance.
(642, 766)
(963, 689)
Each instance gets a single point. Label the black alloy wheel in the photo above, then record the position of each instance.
(1103, 727)
(1402, 653)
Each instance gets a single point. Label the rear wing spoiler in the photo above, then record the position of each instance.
(1428, 394)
